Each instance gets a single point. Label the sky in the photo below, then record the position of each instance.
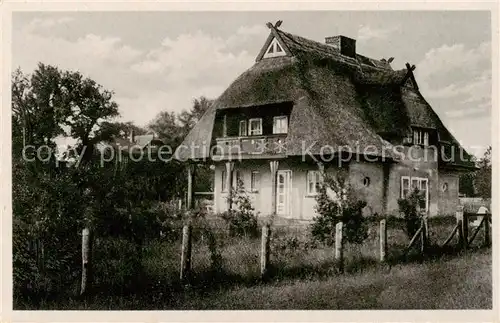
(162, 61)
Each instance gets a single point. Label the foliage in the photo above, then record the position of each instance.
(478, 183)
(47, 216)
(483, 175)
(241, 219)
(337, 202)
(410, 207)
(188, 119)
(50, 100)
(120, 202)
(117, 266)
(466, 184)
(290, 244)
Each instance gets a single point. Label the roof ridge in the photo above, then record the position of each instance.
(331, 51)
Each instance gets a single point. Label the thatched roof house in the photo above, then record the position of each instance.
(329, 96)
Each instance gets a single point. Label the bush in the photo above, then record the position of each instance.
(410, 207)
(336, 202)
(242, 220)
(47, 216)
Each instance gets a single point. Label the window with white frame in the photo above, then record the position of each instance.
(255, 181)
(224, 126)
(280, 124)
(420, 137)
(255, 127)
(243, 128)
(419, 184)
(313, 182)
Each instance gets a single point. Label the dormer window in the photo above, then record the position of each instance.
(280, 124)
(420, 137)
(274, 49)
(243, 128)
(255, 127)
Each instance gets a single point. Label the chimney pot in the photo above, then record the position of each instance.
(346, 45)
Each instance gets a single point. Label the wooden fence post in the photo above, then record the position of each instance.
(465, 230)
(460, 232)
(339, 248)
(264, 251)
(459, 215)
(86, 261)
(486, 220)
(185, 252)
(383, 240)
(423, 236)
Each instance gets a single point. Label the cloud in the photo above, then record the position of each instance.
(459, 78)
(367, 32)
(449, 58)
(46, 23)
(146, 81)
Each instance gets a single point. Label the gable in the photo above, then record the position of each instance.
(275, 49)
(274, 46)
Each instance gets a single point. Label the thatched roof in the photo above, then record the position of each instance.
(338, 100)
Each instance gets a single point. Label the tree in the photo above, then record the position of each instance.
(110, 130)
(37, 107)
(50, 100)
(482, 180)
(87, 104)
(189, 118)
(166, 126)
(466, 184)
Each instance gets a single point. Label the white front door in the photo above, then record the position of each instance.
(283, 188)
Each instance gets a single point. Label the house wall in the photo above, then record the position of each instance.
(301, 205)
(373, 193)
(415, 162)
(448, 199)
(381, 194)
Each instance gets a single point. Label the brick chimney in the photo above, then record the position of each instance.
(346, 45)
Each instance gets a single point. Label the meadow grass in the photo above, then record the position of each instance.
(302, 274)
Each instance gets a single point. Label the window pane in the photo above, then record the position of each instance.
(406, 183)
(310, 183)
(224, 180)
(415, 184)
(255, 127)
(243, 128)
(280, 124)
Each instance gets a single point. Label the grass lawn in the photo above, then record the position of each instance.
(301, 275)
(452, 282)
(460, 282)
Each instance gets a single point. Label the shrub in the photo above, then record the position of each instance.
(336, 202)
(242, 220)
(46, 221)
(410, 207)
